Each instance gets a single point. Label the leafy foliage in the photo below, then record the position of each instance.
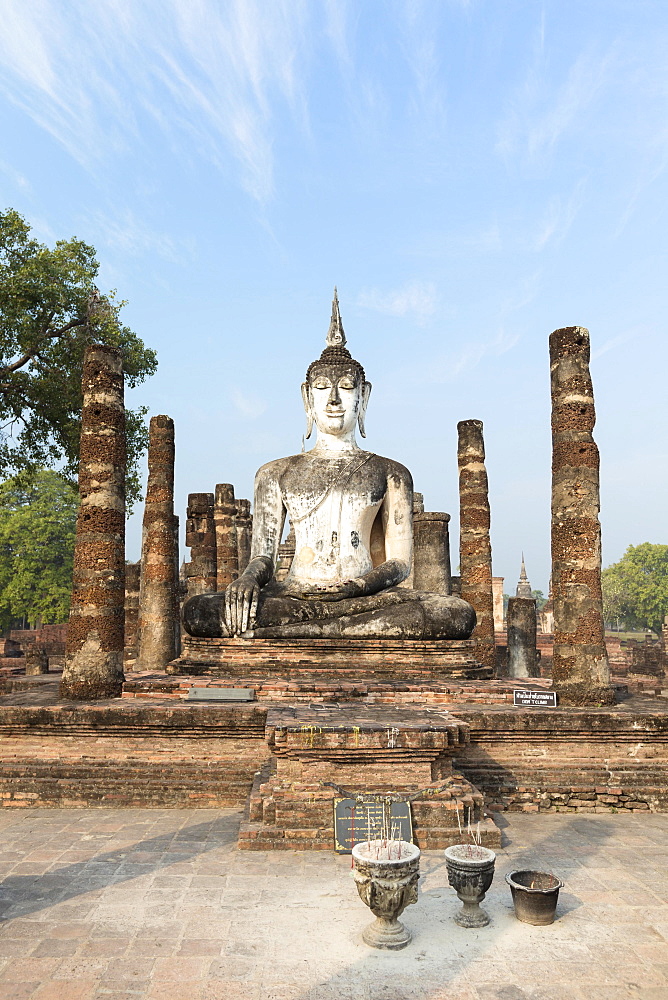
(37, 527)
(635, 589)
(45, 323)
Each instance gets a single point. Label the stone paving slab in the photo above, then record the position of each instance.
(140, 904)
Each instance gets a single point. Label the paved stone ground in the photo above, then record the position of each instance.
(139, 904)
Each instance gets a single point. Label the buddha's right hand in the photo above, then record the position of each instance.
(241, 599)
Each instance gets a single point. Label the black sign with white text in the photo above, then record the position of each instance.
(535, 699)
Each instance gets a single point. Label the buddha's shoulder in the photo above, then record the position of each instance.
(277, 467)
(304, 461)
(394, 469)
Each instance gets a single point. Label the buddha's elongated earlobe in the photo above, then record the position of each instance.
(366, 392)
(307, 407)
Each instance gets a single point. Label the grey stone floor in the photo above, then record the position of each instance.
(159, 904)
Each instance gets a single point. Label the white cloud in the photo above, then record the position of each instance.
(559, 218)
(250, 407)
(542, 112)
(131, 237)
(417, 299)
(77, 68)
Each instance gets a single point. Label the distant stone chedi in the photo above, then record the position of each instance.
(94, 656)
(580, 668)
(352, 515)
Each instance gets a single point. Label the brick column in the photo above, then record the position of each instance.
(177, 588)
(244, 527)
(475, 551)
(37, 659)
(224, 514)
(580, 670)
(94, 653)
(201, 539)
(157, 628)
(521, 624)
(431, 552)
(131, 642)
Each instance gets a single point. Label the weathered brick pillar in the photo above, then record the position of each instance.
(37, 659)
(94, 653)
(157, 628)
(201, 539)
(475, 551)
(521, 624)
(224, 515)
(177, 587)
(431, 552)
(286, 553)
(131, 643)
(244, 527)
(580, 670)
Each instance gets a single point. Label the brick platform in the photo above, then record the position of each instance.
(403, 659)
(366, 690)
(321, 754)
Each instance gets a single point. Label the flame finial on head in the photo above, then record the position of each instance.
(335, 335)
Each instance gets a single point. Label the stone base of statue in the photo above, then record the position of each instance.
(387, 659)
(323, 753)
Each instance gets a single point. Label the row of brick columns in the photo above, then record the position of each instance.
(218, 530)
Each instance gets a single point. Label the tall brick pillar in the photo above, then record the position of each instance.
(157, 625)
(177, 587)
(201, 539)
(131, 642)
(244, 527)
(580, 670)
(224, 515)
(475, 551)
(94, 653)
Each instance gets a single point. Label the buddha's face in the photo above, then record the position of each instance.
(335, 396)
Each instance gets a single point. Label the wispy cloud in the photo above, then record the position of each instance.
(417, 299)
(448, 370)
(248, 406)
(542, 111)
(132, 237)
(559, 217)
(77, 69)
(613, 342)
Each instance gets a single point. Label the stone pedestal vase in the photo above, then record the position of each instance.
(387, 887)
(470, 873)
(535, 896)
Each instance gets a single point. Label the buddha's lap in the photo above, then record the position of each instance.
(442, 615)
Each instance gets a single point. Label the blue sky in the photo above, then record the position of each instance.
(472, 175)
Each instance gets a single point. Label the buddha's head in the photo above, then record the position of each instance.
(336, 391)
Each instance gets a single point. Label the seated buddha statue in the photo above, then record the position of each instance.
(352, 514)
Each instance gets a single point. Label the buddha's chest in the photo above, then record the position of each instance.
(337, 499)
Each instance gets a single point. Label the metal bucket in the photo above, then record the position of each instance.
(535, 896)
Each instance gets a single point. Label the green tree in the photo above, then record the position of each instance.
(37, 527)
(45, 323)
(635, 589)
(540, 599)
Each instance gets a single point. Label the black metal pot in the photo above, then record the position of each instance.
(535, 896)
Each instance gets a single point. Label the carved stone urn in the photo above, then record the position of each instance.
(386, 874)
(470, 873)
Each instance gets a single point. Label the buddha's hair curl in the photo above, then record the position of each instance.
(337, 355)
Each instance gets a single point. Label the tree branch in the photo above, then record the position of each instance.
(29, 355)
